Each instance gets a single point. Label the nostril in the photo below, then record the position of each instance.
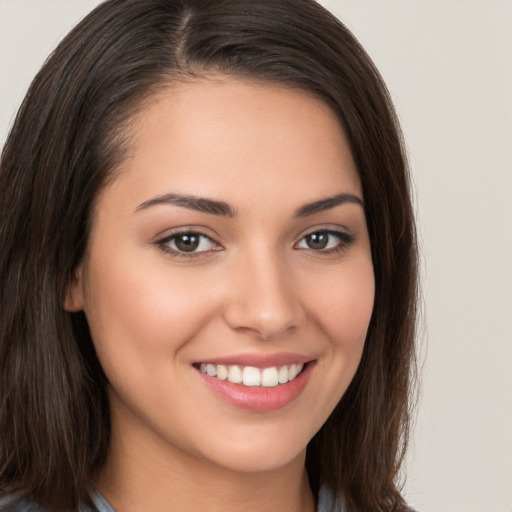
(266, 321)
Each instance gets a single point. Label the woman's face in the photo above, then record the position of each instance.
(234, 243)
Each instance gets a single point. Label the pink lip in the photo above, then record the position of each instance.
(259, 399)
(260, 360)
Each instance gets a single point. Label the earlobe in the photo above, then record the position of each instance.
(73, 300)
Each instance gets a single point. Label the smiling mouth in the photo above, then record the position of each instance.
(251, 376)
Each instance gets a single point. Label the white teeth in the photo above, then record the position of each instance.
(222, 372)
(269, 377)
(235, 375)
(252, 376)
(283, 375)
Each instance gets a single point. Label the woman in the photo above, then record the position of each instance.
(208, 270)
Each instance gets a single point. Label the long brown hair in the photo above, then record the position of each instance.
(66, 143)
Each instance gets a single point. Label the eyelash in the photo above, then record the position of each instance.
(345, 240)
(176, 253)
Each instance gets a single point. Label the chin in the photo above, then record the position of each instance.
(269, 454)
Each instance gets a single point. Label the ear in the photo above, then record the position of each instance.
(74, 298)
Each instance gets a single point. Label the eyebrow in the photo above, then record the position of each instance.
(327, 203)
(214, 207)
(200, 204)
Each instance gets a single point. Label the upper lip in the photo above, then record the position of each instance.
(259, 360)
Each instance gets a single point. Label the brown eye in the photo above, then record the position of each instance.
(326, 241)
(317, 240)
(188, 242)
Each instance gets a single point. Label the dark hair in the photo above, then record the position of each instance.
(68, 139)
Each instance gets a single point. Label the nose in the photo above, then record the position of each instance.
(263, 300)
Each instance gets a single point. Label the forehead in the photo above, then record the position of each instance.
(237, 141)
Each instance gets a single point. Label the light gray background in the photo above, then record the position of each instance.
(448, 64)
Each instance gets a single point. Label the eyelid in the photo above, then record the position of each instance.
(345, 237)
(163, 242)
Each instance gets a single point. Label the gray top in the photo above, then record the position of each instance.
(326, 503)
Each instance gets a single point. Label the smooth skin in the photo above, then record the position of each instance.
(252, 280)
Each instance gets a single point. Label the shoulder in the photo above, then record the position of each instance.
(17, 504)
(21, 504)
(328, 502)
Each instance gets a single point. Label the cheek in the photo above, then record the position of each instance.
(143, 309)
(344, 304)
(344, 310)
(340, 305)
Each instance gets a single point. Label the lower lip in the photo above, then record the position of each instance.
(259, 398)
